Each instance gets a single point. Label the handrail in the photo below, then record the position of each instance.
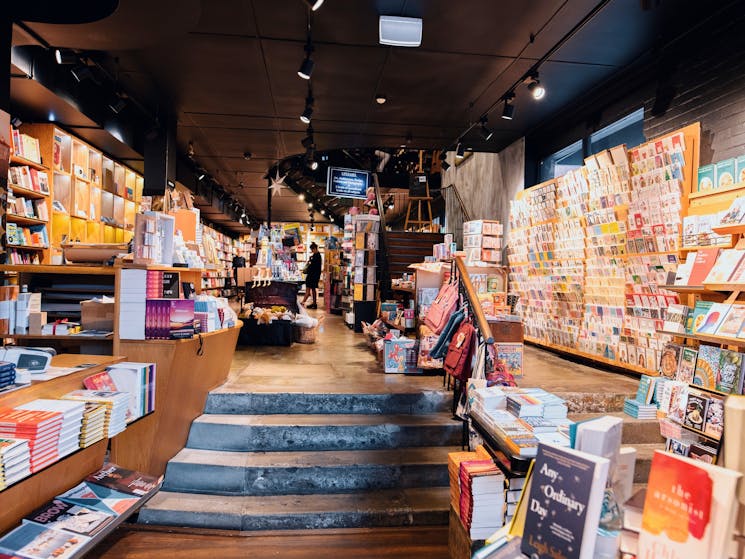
(473, 301)
(384, 274)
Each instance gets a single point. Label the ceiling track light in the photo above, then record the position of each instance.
(81, 72)
(308, 142)
(306, 66)
(445, 165)
(314, 4)
(116, 104)
(534, 86)
(65, 56)
(380, 99)
(484, 130)
(308, 112)
(508, 111)
(460, 150)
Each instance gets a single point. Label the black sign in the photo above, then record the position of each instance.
(347, 183)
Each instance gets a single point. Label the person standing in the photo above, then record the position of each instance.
(238, 262)
(313, 276)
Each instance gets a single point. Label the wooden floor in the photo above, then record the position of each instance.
(138, 542)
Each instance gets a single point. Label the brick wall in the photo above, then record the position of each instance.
(703, 74)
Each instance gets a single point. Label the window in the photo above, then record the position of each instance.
(628, 130)
(561, 162)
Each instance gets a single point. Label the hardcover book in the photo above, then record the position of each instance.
(716, 315)
(733, 322)
(696, 410)
(698, 315)
(725, 266)
(678, 401)
(687, 367)
(729, 377)
(707, 366)
(564, 504)
(36, 541)
(98, 497)
(714, 424)
(689, 510)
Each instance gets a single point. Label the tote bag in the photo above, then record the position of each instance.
(442, 307)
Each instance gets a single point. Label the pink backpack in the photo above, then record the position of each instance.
(442, 307)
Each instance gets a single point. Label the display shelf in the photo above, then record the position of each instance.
(58, 337)
(18, 160)
(93, 269)
(689, 289)
(736, 229)
(28, 193)
(700, 433)
(28, 247)
(23, 220)
(717, 191)
(411, 290)
(719, 340)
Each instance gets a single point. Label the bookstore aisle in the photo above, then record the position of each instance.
(318, 441)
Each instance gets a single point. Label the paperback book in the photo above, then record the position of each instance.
(712, 320)
(123, 480)
(98, 497)
(732, 323)
(707, 366)
(698, 315)
(687, 367)
(35, 541)
(72, 518)
(729, 376)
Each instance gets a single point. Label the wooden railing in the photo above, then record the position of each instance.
(472, 300)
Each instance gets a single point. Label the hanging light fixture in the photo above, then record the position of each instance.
(484, 130)
(534, 86)
(508, 111)
(306, 66)
(65, 56)
(308, 142)
(308, 112)
(314, 4)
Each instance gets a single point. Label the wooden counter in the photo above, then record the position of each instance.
(30, 493)
(184, 376)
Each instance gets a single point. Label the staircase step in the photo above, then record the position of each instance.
(302, 473)
(635, 431)
(321, 432)
(592, 402)
(388, 507)
(225, 401)
(644, 453)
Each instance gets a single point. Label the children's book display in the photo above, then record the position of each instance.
(70, 524)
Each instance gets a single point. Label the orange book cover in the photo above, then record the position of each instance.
(100, 381)
(702, 265)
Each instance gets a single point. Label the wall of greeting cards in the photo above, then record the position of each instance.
(590, 253)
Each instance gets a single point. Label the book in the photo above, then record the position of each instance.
(705, 260)
(733, 322)
(703, 453)
(729, 376)
(714, 423)
(678, 401)
(707, 366)
(725, 173)
(716, 315)
(669, 361)
(73, 518)
(689, 510)
(698, 315)
(564, 504)
(645, 390)
(696, 410)
(687, 366)
(36, 541)
(124, 480)
(676, 317)
(98, 497)
(725, 266)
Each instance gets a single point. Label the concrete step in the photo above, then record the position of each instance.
(227, 401)
(635, 431)
(321, 432)
(644, 453)
(591, 402)
(388, 507)
(303, 473)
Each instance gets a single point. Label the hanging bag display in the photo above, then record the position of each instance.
(442, 307)
(458, 355)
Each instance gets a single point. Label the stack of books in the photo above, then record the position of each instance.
(482, 498)
(94, 424)
(15, 461)
(454, 462)
(137, 379)
(7, 374)
(72, 421)
(117, 404)
(641, 406)
(40, 428)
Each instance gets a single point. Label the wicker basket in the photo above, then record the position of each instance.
(305, 335)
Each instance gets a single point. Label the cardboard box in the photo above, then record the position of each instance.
(95, 315)
(482, 227)
(36, 320)
(401, 356)
(506, 331)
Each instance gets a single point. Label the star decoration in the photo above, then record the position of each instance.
(277, 184)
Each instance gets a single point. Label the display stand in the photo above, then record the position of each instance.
(187, 370)
(30, 493)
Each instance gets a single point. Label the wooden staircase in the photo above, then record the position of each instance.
(405, 248)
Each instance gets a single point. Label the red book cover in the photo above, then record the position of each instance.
(100, 381)
(702, 265)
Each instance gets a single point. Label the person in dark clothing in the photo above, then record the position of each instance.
(313, 276)
(238, 262)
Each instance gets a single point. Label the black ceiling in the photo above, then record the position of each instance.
(228, 69)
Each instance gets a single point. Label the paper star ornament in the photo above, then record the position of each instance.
(277, 184)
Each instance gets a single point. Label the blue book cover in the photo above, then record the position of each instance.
(564, 504)
(100, 498)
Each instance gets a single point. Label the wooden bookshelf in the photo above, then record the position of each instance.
(709, 339)
(23, 220)
(27, 193)
(17, 160)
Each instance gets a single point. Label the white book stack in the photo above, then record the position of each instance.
(15, 461)
(72, 421)
(117, 404)
(94, 424)
(132, 295)
(487, 515)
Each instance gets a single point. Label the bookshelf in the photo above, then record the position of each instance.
(91, 198)
(589, 252)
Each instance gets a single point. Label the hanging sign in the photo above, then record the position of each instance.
(347, 183)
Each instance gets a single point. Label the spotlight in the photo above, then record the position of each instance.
(116, 103)
(243, 214)
(535, 87)
(445, 165)
(460, 150)
(508, 112)
(380, 99)
(65, 56)
(310, 205)
(16, 122)
(308, 112)
(323, 212)
(308, 142)
(301, 197)
(306, 66)
(485, 132)
(313, 164)
(201, 175)
(81, 73)
(314, 4)
(247, 155)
